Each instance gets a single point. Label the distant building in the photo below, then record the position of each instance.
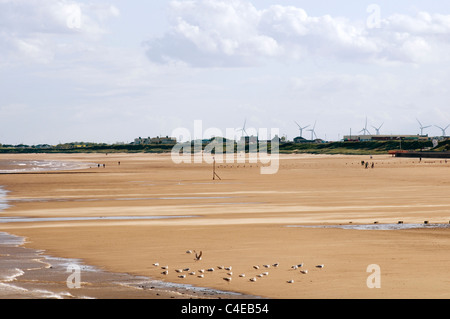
(155, 140)
(366, 138)
(299, 139)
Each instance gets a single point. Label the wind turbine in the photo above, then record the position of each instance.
(377, 129)
(443, 129)
(422, 127)
(313, 132)
(243, 129)
(301, 128)
(364, 130)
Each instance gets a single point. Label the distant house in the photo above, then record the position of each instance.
(155, 140)
(300, 139)
(366, 138)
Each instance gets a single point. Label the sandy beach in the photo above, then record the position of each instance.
(315, 211)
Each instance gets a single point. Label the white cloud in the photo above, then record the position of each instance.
(235, 33)
(31, 29)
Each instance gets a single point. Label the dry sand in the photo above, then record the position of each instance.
(245, 219)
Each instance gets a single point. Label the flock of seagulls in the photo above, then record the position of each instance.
(200, 273)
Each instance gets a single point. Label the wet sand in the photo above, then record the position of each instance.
(242, 220)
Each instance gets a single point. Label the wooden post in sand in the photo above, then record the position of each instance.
(214, 170)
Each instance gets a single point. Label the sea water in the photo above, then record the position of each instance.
(22, 166)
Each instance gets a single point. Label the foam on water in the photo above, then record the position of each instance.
(16, 166)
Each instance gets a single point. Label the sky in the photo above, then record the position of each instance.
(113, 70)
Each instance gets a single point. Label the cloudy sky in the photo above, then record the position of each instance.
(112, 70)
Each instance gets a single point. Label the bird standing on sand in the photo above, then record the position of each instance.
(256, 267)
(304, 271)
(227, 279)
(253, 279)
(290, 281)
(319, 266)
(165, 272)
(156, 264)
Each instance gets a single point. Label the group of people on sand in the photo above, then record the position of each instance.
(104, 165)
(366, 164)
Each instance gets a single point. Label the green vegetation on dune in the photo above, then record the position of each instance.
(356, 148)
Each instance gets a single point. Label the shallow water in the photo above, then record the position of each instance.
(21, 166)
(59, 219)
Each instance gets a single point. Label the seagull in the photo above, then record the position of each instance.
(228, 268)
(210, 269)
(178, 270)
(186, 269)
(189, 252)
(304, 271)
(156, 264)
(165, 272)
(294, 267)
(242, 275)
(192, 273)
(201, 271)
(230, 273)
(267, 266)
(165, 267)
(290, 281)
(319, 266)
(200, 276)
(265, 273)
(300, 265)
(182, 276)
(227, 279)
(260, 275)
(253, 279)
(220, 267)
(256, 267)
(276, 264)
(198, 257)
